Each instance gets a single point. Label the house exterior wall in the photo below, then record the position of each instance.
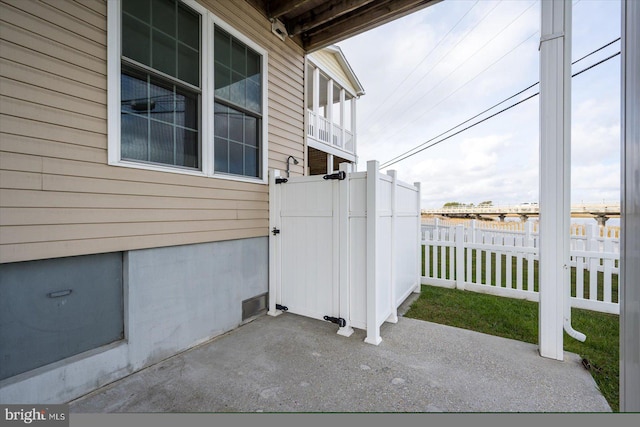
(174, 298)
(327, 61)
(193, 247)
(58, 195)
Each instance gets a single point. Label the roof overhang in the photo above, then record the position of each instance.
(342, 60)
(314, 24)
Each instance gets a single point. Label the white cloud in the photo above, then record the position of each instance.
(498, 159)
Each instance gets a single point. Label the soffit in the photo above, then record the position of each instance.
(314, 24)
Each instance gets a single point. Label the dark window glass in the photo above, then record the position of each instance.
(159, 114)
(237, 146)
(158, 121)
(238, 107)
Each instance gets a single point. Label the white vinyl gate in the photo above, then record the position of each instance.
(344, 247)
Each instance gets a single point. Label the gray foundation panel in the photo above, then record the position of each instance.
(53, 309)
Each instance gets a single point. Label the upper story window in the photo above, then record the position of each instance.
(191, 91)
(238, 106)
(160, 83)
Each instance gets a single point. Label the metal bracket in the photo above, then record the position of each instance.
(337, 320)
(275, 231)
(338, 175)
(282, 307)
(281, 180)
(549, 37)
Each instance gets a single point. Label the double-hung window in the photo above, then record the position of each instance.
(238, 106)
(191, 92)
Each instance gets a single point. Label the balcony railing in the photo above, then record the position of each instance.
(323, 130)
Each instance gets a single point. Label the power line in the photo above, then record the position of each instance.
(387, 164)
(460, 124)
(442, 57)
(465, 61)
(394, 91)
(597, 50)
(463, 85)
(411, 152)
(504, 100)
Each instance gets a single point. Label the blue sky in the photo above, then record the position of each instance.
(440, 66)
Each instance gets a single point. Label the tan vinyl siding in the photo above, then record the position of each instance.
(58, 195)
(327, 61)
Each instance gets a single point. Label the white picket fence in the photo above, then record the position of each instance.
(502, 260)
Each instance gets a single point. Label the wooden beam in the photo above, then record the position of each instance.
(277, 8)
(259, 5)
(360, 20)
(324, 13)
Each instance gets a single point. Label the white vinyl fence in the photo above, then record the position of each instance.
(344, 247)
(503, 260)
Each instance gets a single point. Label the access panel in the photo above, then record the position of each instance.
(56, 308)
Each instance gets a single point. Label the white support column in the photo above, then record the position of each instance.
(460, 282)
(418, 287)
(393, 317)
(316, 101)
(345, 251)
(274, 244)
(555, 127)
(329, 163)
(342, 132)
(373, 330)
(630, 211)
(353, 126)
(329, 110)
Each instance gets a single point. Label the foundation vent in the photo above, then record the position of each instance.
(255, 306)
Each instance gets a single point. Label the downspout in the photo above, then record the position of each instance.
(566, 251)
(568, 328)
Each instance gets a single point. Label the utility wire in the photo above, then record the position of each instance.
(503, 101)
(597, 50)
(460, 87)
(394, 91)
(406, 155)
(441, 58)
(465, 61)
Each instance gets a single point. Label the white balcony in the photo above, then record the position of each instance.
(330, 135)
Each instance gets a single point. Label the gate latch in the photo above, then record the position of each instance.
(337, 320)
(275, 231)
(282, 307)
(281, 180)
(338, 175)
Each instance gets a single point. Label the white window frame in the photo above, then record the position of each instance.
(114, 66)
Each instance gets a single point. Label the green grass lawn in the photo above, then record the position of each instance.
(518, 319)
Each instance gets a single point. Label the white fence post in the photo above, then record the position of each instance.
(345, 251)
(393, 317)
(373, 331)
(459, 279)
(274, 244)
(472, 231)
(418, 287)
(528, 242)
(593, 246)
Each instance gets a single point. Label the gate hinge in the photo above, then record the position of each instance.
(337, 320)
(275, 231)
(338, 175)
(282, 307)
(281, 180)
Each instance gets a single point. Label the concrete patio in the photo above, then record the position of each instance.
(295, 364)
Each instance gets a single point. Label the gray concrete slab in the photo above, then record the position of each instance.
(291, 363)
